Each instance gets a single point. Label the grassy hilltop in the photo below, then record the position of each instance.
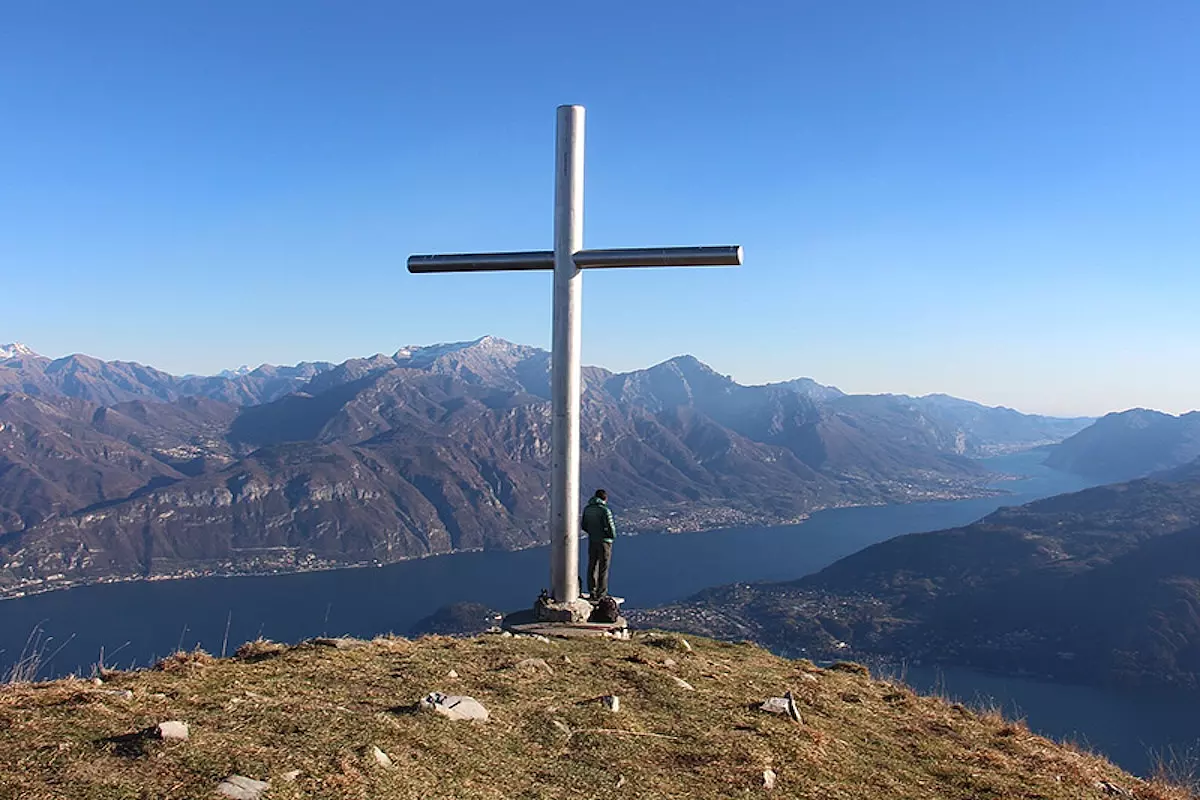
(687, 727)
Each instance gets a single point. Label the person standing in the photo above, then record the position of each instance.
(600, 529)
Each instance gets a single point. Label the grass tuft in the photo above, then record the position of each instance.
(259, 649)
(184, 660)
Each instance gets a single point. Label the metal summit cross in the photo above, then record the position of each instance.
(568, 259)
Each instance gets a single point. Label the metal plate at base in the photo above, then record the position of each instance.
(526, 622)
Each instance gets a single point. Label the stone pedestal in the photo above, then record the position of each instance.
(576, 611)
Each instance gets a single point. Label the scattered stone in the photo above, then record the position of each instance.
(506, 634)
(775, 705)
(808, 677)
(291, 776)
(381, 758)
(533, 666)
(682, 684)
(769, 777)
(567, 659)
(239, 787)
(458, 707)
(452, 674)
(562, 726)
(157, 696)
(97, 682)
(612, 702)
(173, 729)
(124, 694)
(620, 781)
(669, 662)
(685, 644)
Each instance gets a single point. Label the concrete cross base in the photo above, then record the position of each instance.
(574, 611)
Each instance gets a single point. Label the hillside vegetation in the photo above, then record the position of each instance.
(340, 719)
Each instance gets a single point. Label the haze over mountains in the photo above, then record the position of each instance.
(114, 469)
(1130, 444)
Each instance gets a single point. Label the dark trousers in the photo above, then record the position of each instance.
(599, 557)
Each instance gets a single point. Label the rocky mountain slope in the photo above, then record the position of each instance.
(342, 718)
(1100, 586)
(123, 471)
(1130, 444)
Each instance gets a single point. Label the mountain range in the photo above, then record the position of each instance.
(1100, 586)
(1129, 444)
(116, 470)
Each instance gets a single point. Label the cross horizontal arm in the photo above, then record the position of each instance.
(722, 256)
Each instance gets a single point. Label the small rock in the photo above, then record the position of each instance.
(620, 781)
(124, 694)
(808, 677)
(290, 777)
(452, 674)
(682, 684)
(506, 634)
(562, 726)
(685, 644)
(458, 707)
(769, 777)
(567, 659)
(97, 682)
(612, 702)
(775, 705)
(669, 662)
(157, 696)
(533, 665)
(239, 787)
(173, 729)
(381, 758)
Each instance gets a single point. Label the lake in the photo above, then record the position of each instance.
(135, 622)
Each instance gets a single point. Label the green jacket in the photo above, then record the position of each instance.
(598, 521)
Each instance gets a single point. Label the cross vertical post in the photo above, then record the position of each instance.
(567, 260)
(565, 365)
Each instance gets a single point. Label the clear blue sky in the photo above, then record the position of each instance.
(1000, 200)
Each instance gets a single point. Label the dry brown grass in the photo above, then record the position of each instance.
(320, 710)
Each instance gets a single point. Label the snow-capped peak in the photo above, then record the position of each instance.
(13, 350)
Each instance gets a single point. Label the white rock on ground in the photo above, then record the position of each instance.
(769, 777)
(454, 706)
(452, 674)
(612, 702)
(381, 758)
(291, 775)
(239, 787)
(533, 665)
(682, 684)
(173, 729)
(775, 705)
(685, 644)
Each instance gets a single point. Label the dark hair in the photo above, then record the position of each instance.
(603, 495)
